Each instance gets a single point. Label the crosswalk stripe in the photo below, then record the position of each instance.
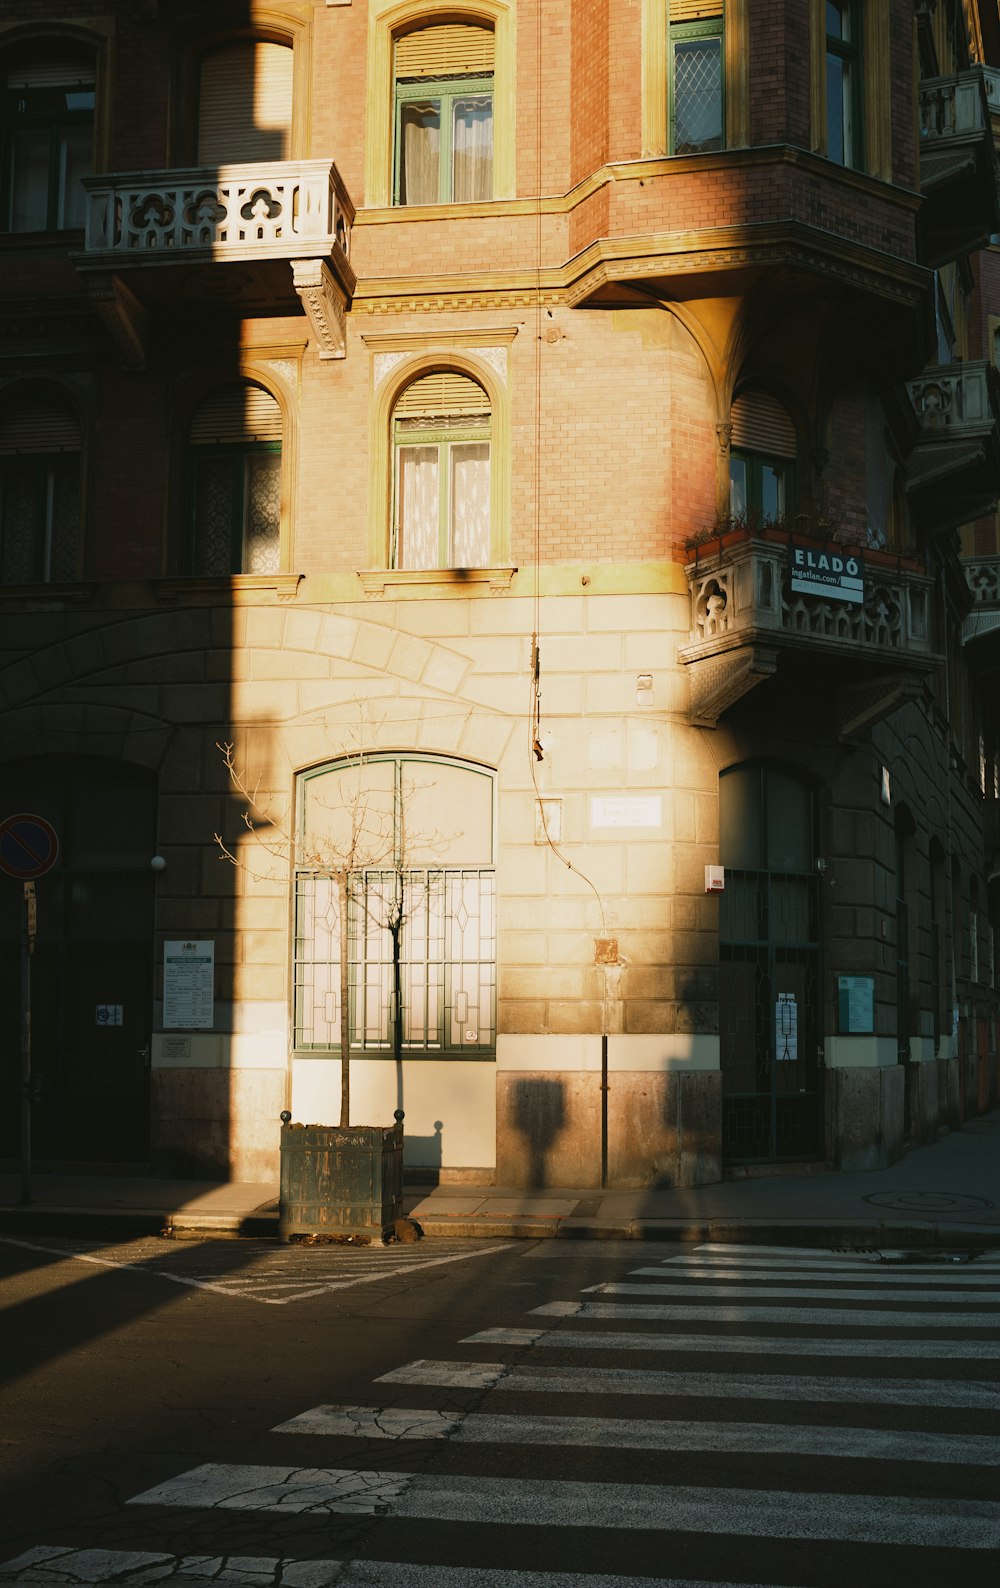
(667, 1286)
(719, 1386)
(98, 1567)
(758, 1513)
(626, 1433)
(877, 1278)
(764, 1345)
(870, 1273)
(747, 1257)
(842, 1316)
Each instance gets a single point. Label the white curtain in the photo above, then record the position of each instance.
(421, 157)
(472, 149)
(470, 504)
(417, 508)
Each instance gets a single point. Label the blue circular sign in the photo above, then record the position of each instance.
(28, 846)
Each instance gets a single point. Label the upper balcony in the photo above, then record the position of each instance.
(958, 172)
(854, 625)
(953, 471)
(261, 236)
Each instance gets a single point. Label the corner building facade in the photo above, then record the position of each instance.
(561, 442)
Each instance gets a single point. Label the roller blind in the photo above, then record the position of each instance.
(694, 10)
(446, 392)
(455, 49)
(245, 103)
(39, 424)
(761, 424)
(53, 72)
(237, 414)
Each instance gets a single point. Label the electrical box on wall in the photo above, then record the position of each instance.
(715, 879)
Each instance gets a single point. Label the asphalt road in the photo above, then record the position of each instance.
(480, 1414)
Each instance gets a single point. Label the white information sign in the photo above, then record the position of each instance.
(786, 1028)
(189, 986)
(837, 575)
(631, 810)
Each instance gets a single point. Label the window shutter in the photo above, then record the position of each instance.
(694, 10)
(236, 415)
(761, 424)
(39, 424)
(456, 49)
(446, 393)
(52, 72)
(245, 103)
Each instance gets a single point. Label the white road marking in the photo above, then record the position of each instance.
(309, 1287)
(871, 1273)
(666, 1286)
(624, 1433)
(841, 1316)
(790, 1257)
(96, 1568)
(875, 1519)
(768, 1345)
(718, 1386)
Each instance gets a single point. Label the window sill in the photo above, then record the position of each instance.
(432, 583)
(242, 588)
(72, 237)
(49, 595)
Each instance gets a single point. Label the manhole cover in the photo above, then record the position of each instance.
(926, 1201)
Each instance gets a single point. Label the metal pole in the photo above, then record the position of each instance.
(27, 949)
(604, 1110)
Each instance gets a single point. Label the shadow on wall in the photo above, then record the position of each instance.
(424, 1155)
(539, 1113)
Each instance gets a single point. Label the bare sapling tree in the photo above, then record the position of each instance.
(360, 831)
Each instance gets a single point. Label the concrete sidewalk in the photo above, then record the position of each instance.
(946, 1194)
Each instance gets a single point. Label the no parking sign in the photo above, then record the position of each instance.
(28, 846)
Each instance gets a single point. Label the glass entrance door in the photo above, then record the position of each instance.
(769, 993)
(91, 972)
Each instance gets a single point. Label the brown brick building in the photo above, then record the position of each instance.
(560, 445)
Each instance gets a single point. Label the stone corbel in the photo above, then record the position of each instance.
(123, 317)
(323, 301)
(718, 682)
(861, 707)
(724, 436)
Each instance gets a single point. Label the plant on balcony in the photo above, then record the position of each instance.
(753, 525)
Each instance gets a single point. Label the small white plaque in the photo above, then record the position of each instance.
(631, 810)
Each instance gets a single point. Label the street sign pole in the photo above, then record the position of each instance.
(27, 950)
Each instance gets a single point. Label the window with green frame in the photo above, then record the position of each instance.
(844, 119)
(441, 468)
(696, 77)
(443, 138)
(236, 483)
(39, 492)
(48, 138)
(761, 459)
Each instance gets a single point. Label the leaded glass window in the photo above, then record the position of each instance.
(696, 87)
(236, 496)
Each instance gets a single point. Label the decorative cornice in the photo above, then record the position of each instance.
(241, 588)
(465, 336)
(427, 584)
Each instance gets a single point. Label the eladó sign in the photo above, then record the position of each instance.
(838, 575)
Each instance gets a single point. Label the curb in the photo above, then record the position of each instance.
(121, 1224)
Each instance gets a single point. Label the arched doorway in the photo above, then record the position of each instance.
(92, 969)
(770, 988)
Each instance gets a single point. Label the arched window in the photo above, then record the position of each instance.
(761, 459)
(48, 137)
(236, 482)
(441, 430)
(39, 489)
(245, 103)
(444, 114)
(416, 837)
